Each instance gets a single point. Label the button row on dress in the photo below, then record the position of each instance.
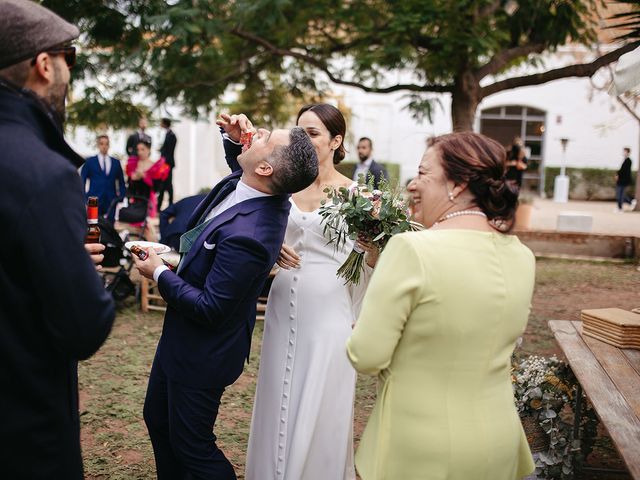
(287, 380)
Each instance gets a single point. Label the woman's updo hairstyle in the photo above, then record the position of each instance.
(479, 162)
(331, 118)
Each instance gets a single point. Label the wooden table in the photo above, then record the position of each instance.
(610, 377)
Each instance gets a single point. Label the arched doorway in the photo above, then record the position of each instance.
(508, 121)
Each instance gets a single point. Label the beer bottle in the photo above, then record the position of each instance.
(93, 229)
(139, 252)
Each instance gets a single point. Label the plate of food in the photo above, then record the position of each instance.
(158, 247)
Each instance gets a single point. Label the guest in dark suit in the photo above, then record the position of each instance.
(136, 137)
(167, 151)
(174, 220)
(106, 179)
(368, 166)
(54, 309)
(623, 180)
(234, 239)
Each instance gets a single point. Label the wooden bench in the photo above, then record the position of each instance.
(150, 298)
(610, 378)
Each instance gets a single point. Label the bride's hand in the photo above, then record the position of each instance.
(288, 258)
(372, 252)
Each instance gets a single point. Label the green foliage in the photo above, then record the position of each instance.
(585, 183)
(363, 212)
(96, 112)
(191, 51)
(544, 389)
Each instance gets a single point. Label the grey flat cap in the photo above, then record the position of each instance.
(27, 29)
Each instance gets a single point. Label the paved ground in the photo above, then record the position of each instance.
(545, 216)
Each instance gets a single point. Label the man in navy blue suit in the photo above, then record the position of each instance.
(233, 241)
(106, 179)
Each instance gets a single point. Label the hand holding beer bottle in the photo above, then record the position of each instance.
(92, 238)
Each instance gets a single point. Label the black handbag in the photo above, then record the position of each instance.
(135, 212)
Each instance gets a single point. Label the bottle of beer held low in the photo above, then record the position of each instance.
(93, 229)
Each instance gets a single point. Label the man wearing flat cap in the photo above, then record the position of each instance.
(54, 310)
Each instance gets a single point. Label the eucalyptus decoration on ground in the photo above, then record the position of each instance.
(545, 390)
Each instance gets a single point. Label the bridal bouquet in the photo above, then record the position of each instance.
(361, 211)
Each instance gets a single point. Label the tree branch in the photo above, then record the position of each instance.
(579, 70)
(322, 65)
(500, 60)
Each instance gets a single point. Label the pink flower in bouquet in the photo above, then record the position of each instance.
(377, 203)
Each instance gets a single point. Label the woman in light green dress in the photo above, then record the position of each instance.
(439, 323)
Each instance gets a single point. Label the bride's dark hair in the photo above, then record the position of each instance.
(331, 118)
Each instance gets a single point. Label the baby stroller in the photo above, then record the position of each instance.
(117, 283)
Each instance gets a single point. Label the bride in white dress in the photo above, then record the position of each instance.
(302, 425)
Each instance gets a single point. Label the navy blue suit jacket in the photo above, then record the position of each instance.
(105, 187)
(212, 301)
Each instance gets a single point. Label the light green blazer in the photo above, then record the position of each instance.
(438, 326)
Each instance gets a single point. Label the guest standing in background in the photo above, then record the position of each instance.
(623, 180)
(105, 179)
(367, 165)
(439, 324)
(167, 151)
(139, 136)
(516, 164)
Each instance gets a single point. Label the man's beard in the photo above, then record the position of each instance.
(56, 99)
(362, 157)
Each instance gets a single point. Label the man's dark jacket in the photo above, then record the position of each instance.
(168, 148)
(54, 310)
(624, 173)
(378, 172)
(212, 300)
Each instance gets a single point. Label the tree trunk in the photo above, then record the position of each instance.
(465, 98)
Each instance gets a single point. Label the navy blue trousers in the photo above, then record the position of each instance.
(180, 421)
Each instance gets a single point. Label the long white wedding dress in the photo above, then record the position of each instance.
(302, 425)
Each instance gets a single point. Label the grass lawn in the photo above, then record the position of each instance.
(113, 382)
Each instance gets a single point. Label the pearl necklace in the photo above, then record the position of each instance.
(460, 213)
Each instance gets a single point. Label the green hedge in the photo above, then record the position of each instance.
(393, 169)
(586, 183)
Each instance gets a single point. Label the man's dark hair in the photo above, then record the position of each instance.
(102, 136)
(366, 139)
(627, 149)
(295, 166)
(165, 122)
